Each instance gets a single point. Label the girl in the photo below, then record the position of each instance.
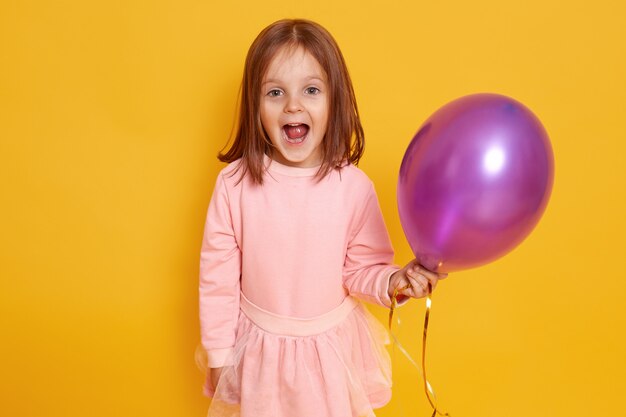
(293, 236)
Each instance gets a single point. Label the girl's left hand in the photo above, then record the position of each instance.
(216, 373)
(414, 278)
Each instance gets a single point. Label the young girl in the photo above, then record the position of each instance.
(293, 237)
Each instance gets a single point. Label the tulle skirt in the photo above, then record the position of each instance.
(334, 365)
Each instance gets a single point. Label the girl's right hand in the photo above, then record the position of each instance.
(215, 376)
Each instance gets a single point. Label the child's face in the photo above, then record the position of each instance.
(294, 107)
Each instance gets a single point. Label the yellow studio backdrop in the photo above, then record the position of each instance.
(111, 114)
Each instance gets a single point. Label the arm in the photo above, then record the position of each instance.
(369, 273)
(369, 257)
(220, 270)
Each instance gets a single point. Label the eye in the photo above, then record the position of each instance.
(312, 90)
(275, 93)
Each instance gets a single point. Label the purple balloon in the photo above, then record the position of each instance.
(474, 182)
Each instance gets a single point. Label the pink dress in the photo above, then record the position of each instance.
(282, 268)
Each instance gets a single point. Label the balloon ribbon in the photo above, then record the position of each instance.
(430, 393)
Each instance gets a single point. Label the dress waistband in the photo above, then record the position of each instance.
(293, 326)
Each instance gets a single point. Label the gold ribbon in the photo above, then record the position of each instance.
(430, 393)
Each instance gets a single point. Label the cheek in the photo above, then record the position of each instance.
(324, 112)
(269, 111)
(322, 117)
(265, 117)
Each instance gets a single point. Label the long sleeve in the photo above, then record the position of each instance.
(220, 271)
(369, 256)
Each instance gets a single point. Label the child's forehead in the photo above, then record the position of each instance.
(288, 52)
(292, 57)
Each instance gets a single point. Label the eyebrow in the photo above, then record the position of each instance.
(308, 79)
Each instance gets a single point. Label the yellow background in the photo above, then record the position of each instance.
(111, 114)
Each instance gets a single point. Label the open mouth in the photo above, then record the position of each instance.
(295, 132)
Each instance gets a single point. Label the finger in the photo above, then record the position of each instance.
(419, 286)
(405, 287)
(432, 277)
(433, 282)
(412, 271)
(423, 282)
(413, 292)
(402, 286)
(420, 275)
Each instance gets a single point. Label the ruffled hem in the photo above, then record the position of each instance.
(340, 372)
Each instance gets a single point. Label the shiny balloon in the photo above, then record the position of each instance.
(474, 182)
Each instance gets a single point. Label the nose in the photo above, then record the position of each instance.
(293, 104)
